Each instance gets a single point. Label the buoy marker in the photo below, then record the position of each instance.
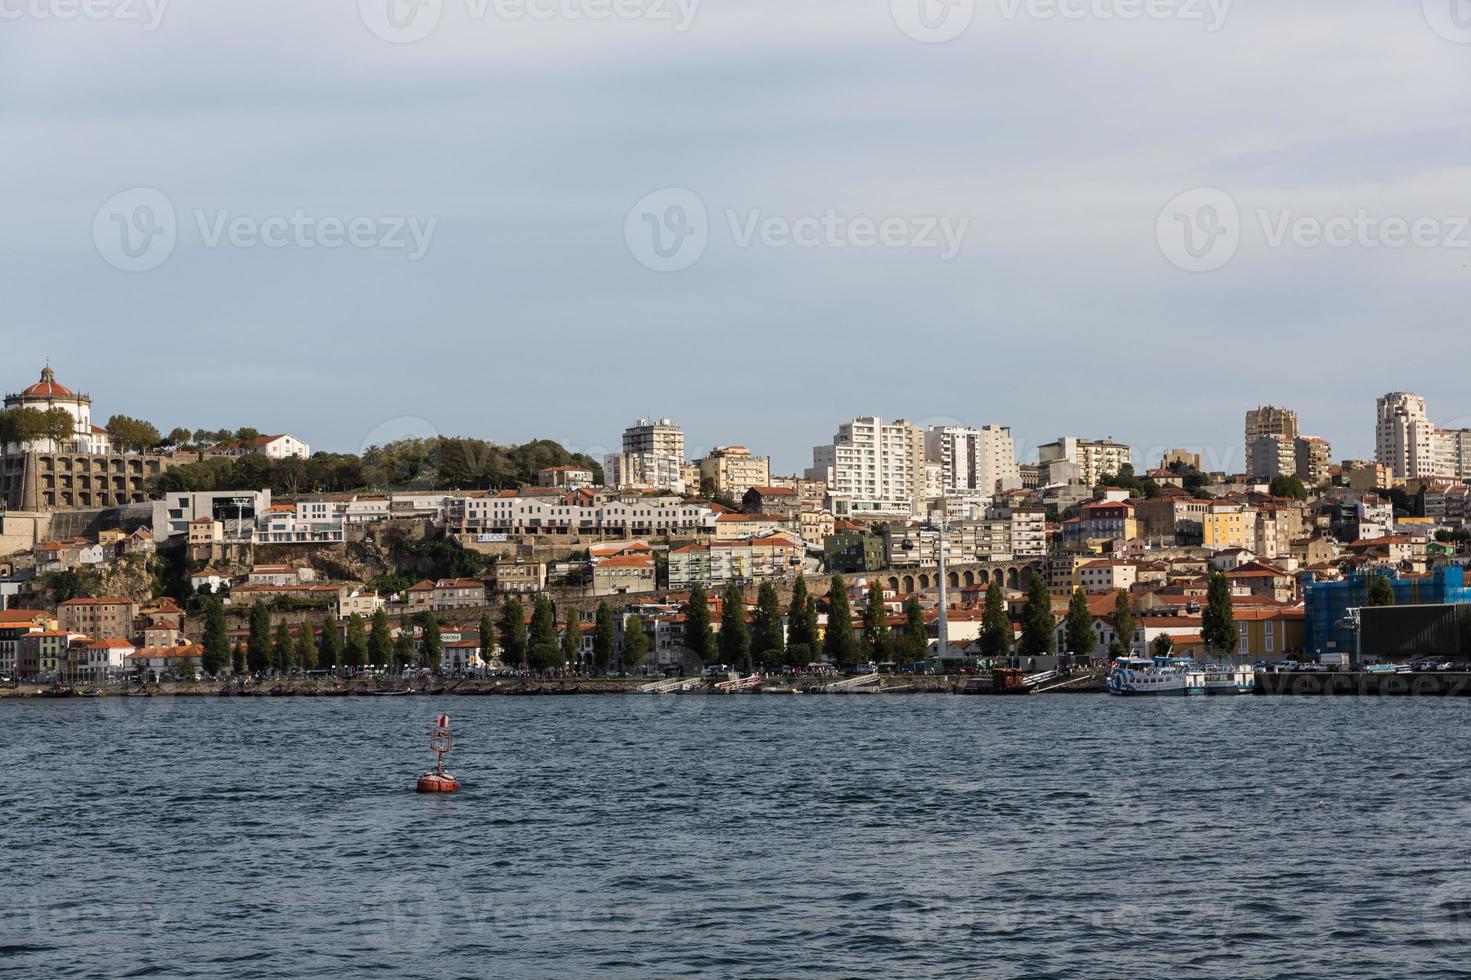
(440, 741)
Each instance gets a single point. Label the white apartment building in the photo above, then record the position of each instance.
(1095, 458)
(1452, 453)
(1404, 439)
(1005, 535)
(974, 460)
(512, 514)
(872, 468)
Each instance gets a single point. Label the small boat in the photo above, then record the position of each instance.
(1227, 680)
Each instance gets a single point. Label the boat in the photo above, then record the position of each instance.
(1227, 680)
(1134, 676)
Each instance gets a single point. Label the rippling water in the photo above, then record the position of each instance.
(737, 836)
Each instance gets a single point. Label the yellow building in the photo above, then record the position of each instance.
(1229, 526)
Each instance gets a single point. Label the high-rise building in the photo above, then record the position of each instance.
(732, 470)
(872, 468)
(1268, 420)
(980, 461)
(1404, 439)
(1095, 458)
(1314, 460)
(1271, 456)
(1452, 451)
(652, 457)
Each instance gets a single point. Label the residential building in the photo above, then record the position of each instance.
(730, 471)
(779, 502)
(447, 594)
(1359, 474)
(980, 460)
(1171, 520)
(567, 477)
(283, 446)
(1264, 422)
(521, 577)
(1271, 456)
(15, 623)
(105, 659)
(1228, 525)
(872, 468)
(44, 654)
(1095, 458)
(1404, 439)
(158, 663)
(1314, 460)
(1107, 574)
(1452, 451)
(623, 575)
(849, 549)
(97, 617)
(741, 561)
(652, 457)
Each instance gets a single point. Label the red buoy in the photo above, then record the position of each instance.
(440, 742)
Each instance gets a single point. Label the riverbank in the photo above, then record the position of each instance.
(891, 684)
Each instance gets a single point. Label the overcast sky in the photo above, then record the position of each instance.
(519, 149)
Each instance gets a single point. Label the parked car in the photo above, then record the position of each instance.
(718, 670)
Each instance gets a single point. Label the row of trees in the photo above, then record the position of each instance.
(367, 642)
(538, 647)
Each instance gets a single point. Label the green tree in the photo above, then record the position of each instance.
(635, 643)
(237, 659)
(1123, 620)
(603, 638)
(1081, 639)
(258, 646)
(1162, 645)
(306, 647)
(802, 617)
(1381, 593)
(698, 637)
(544, 622)
(433, 651)
(1218, 624)
(1288, 485)
(216, 638)
(735, 641)
(380, 639)
(487, 637)
(838, 642)
(1039, 631)
(996, 635)
(355, 653)
(914, 644)
(58, 425)
(572, 639)
(513, 633)
(876, 624)
(132, 435)
(769, 638)
(403, 645)
(283, 648)
(331, 656)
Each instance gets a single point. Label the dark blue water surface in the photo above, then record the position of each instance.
(737, 836)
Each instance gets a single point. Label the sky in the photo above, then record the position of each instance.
(520, 219)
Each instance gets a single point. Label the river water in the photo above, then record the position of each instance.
(736, 836)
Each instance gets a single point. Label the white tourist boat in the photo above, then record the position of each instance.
(1160, 676)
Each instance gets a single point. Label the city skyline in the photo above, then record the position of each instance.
(1059, 297)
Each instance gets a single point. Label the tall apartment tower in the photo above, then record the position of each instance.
(662, 438)
(653, 457)
(1404, 439)
(979, 461)
(873, 468)
(1095, 458)
(1268, 420)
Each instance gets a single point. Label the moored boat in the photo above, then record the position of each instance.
(1134, 676)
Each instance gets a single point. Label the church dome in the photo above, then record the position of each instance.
(48, 387)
